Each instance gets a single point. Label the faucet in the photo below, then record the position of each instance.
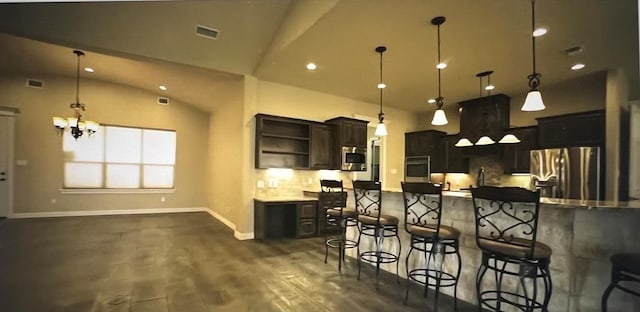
(480, 178)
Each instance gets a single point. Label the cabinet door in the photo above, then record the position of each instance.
(354, 134)
(580, 129)
(517, 156)
(320, 147)
(552, 134)
(456, 162)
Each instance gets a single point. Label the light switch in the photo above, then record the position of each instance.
(21, 162)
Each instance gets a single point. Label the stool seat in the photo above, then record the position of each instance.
(541, 251)
(346, 212)
(446, 232)
(373, 220)
(627, 262)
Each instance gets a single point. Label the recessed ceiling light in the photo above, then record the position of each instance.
(163, 88)
(442, 65)
(490, 87)
(577, 66)
(89, 69)
(539, 32)
(431, 101)
(311, 66)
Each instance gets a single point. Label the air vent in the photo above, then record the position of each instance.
(33, 83)
(207, 32)
(163, 101)
(573, 51)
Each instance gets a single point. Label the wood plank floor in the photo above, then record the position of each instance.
(186, 262)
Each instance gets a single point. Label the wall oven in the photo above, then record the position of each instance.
(354, 158)
(417, 168)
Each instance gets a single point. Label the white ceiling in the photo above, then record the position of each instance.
(145, 44)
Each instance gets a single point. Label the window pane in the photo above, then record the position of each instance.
(159, 147)
(123, 176)
(123, 145)
(82, 175)
(158, 176)
(85, 148)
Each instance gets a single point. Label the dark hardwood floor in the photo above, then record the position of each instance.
(187, 262)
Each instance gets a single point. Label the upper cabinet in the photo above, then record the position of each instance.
(578, 129)
(422, 143)
(348, 132)
(487, 115)
(320, 147)
(516, 156)
(281, 142)
(453, 157)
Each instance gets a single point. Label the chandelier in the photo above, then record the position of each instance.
(76, 125)
(381, 129)
(439, 117)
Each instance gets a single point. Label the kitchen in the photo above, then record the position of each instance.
(230, 131)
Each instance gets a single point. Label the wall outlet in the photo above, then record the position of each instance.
(162, 199)
(260, 184)
(273, 183)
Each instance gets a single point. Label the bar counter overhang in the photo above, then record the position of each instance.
(583, 236)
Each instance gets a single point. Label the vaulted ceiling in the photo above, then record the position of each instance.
(145, 44)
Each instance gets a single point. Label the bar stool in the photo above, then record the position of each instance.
(371, 222)
(506, 220)
(333, 199)
(625, 267)
(423, 212)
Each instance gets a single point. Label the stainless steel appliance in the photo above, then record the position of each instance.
(572, 172)
(354, 158)
(417, 169)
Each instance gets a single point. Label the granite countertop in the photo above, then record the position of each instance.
(284, 198)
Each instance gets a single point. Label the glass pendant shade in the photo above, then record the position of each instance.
(485, 140)
(439, 118)
(92, 126)
(381, 130)
(60, 122)
(73, 122)
(533, 102)
(509, 139)
(463, 142)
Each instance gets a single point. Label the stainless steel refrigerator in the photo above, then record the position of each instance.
(572, 172)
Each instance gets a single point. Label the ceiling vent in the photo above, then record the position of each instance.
(163, 101)
(33, 83)
(207, 32)
(573, 50)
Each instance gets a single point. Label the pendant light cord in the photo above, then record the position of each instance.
(439, 72)
(533, 38)
(380, 114)
(78, 79)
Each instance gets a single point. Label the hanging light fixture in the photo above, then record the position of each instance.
(485, 139)
(76, 124)
(533, 101)
(439, 117)
(381, 129)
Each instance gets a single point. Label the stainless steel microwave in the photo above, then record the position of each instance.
(417, 167)
(354, 158)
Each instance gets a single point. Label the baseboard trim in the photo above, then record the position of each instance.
(84, 213)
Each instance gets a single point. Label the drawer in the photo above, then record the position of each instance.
(306, 210)
(306, 228)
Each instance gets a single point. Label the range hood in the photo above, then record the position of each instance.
(484, 121)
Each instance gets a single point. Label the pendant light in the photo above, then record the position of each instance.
(381, 129)
(439, 117)
(485, 139)
(76, 124)
(533, 101)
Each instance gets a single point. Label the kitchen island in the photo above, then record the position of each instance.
(582, 234)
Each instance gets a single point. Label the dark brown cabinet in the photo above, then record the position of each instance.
(578, 129)
(455, 161)
(284, 219)
(516, 157)
(348, 131)
(281, 142)
(320, 157)
(422, 143)
(487, 115)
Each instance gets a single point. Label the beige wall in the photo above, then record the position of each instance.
(37, 185)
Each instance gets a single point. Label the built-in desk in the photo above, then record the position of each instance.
(280, 217)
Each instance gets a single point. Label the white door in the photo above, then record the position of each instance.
(6, 159)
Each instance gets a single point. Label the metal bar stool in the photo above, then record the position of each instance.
(423, 212)
(333, 199)
(371, 222)
(506, 221)
(625, 267)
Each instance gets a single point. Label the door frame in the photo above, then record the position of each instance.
(11, 113)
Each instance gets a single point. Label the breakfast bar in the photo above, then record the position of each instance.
(582, 234)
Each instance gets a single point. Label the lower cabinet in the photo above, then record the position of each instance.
(275, 219)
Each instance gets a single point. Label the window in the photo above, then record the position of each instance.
(120, 158)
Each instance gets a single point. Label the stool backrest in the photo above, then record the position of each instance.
(422, 205)
(368, 198)
(332, 195)
(507, 215)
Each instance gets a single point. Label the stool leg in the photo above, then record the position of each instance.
(499, 275)
(406, 265)
(605, 296)
(379, 240)
(358, 251)
(427, 257)
(398, 261)
(326, 239)
(438, 252)
(343, 233)
(455, 286)
(481, 271)
(548, 288)
(524, 290)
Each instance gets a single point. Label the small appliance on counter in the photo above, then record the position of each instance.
(572, 172)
